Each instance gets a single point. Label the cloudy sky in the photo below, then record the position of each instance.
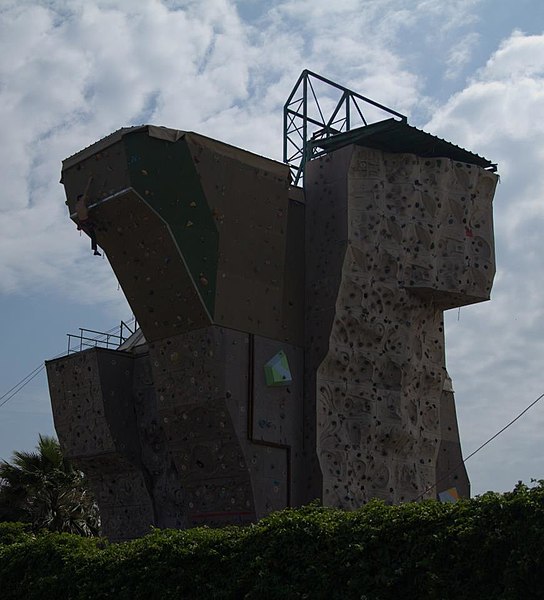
(72, 71)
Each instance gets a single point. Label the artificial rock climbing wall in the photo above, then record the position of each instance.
(95, 416)
(450, 468)
(392, 240)
(294, 344)
(208, 247)
(196, 231)
(185, 431)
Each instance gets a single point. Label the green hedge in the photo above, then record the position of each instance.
(491, 547)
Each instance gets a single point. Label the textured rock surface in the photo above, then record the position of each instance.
(94, 414)
(450, 469)
(184, 432)
(392, 240)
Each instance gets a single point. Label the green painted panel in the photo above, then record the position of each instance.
(163, 173)
(276, 370)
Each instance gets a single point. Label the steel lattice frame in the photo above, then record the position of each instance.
(301, 130)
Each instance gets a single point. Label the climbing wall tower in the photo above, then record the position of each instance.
(291, 342)
(392, 241)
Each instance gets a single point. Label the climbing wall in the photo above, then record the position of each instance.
(147, 263)
(234, 439)
(208, 247)
(158, 468)
(248, 198)
(184, 431)
(201, 383)
(94, 416)
(197, 232)
(295, 345)
(392, 240)
(450, 468)
(276, 424)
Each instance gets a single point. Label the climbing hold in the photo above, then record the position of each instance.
(189, 224)
(450, 495)
(276, 370)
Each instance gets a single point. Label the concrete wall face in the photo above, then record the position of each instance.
(294, 350)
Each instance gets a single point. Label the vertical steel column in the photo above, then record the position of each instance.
(304, 126)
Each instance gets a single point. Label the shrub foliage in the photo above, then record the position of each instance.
(488, 547)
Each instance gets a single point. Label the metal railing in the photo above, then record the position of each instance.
(89, 338)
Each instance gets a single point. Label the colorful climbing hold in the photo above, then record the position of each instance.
(450, 495)
(276, 370)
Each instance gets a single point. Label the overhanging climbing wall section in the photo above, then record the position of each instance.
(434, 224)
(248, 199)
(197, 231)
(208, 246)
(146, 260)
(380, 269)
(164, 174)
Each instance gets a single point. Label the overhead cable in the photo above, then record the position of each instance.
(7, 396)
(17, 388)
(480, 447)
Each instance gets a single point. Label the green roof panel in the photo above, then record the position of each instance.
(396, 136)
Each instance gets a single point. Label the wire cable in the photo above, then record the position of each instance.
(20, 382)
(34, 373)
(480, 447)
(22, 386)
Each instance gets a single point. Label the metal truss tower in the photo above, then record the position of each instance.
(319, 108)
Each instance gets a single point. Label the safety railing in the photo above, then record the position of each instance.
(90, 338)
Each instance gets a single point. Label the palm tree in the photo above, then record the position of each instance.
(45, 489)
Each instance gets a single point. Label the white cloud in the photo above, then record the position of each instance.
(461, 54)
(73, 72)
(495, 351)
(519, 57)
(80, 71)
(498, 114)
